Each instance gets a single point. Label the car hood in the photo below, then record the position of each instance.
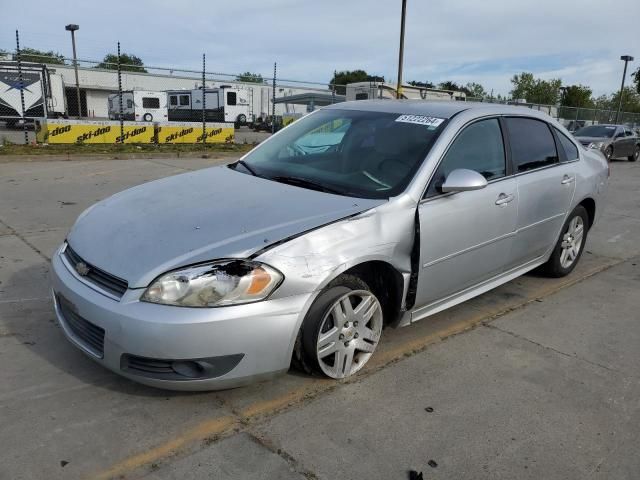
(588, 140)
(205, 215)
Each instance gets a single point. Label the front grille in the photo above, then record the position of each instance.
(114, 285)
(91, 336)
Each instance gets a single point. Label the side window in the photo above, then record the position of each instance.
(129, 103)
(568, 146)
(532, 145)
(479, 147)
(150, 102)
(184, 100)
(231, 98)
(628, 132)
(173, 100)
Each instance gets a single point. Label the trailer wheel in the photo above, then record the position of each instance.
(147, 117)
(242, 119)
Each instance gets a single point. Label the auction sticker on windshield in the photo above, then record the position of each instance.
(431, 122)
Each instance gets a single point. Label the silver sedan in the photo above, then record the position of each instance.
(359, 216)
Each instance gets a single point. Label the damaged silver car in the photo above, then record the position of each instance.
(359, 216)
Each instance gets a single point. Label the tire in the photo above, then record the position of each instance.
(634, 156)
(567, 252)
(242, 119)
(147, 117)
(608, 152)
(339, 350)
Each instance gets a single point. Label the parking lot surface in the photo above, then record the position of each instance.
(536, 379)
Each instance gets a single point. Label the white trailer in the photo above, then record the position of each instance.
(139, 106)
(222, 104)
(372, 90)
(44, 92)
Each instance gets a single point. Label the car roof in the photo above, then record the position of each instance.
(440, 109)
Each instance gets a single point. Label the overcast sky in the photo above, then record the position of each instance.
(461, 40)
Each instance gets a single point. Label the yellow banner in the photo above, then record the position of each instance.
(79, 131)
(186, 132)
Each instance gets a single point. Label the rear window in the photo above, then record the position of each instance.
(150, 102)
(570, 149)
(532, 144)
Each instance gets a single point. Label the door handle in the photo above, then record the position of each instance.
(503, 199)
(566, 180)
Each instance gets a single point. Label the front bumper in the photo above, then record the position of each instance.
(254, 341)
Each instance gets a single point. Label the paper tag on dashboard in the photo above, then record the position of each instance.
(432, 122)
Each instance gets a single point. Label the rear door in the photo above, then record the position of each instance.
(546, 182)
(466, 237)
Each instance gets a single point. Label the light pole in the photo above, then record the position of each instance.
(72, 28)
(626, 59)
(404, 14)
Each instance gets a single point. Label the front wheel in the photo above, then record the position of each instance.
(636, 153)
(342, 328)
(570, 245)
(608, 153)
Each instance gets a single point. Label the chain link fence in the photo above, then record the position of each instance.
(120, 101)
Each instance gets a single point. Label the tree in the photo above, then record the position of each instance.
(351, 76)
(577, 96)
(128, 62)
(449, 85)
(475, 90)
(39, 56)
(535, 90)
(426, 84)
(250, 77)
(630, 100)
(636, 79)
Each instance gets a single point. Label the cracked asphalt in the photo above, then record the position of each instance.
(536, 379)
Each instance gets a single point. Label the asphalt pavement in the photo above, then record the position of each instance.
(536, 379)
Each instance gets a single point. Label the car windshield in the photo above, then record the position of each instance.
(596, 131)
(355, 153)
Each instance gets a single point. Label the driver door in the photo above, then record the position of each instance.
(467, 237)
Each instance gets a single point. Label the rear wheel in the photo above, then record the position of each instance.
(569, 247)
(636, 153)
(342, 328)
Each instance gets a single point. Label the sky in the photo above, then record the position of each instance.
(460, 40)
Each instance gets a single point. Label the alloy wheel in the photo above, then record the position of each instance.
(349, 333)
(572, 242)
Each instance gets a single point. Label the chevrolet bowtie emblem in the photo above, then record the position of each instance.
(82, 269)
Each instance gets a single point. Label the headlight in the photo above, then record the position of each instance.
(596, 145)
(215, 284)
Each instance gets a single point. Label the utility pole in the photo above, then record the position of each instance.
(72, 27)
(401, 54)
(626, 59)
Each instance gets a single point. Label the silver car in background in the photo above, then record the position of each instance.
(359, 216)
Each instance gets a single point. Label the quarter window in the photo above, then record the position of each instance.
(570, 149)
(532, 145)
(479, 147)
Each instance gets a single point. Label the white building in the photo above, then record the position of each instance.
(97, 84)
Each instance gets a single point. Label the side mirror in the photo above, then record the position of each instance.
(462, 180)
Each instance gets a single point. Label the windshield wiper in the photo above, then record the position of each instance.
(304, 183)
(246, 167)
